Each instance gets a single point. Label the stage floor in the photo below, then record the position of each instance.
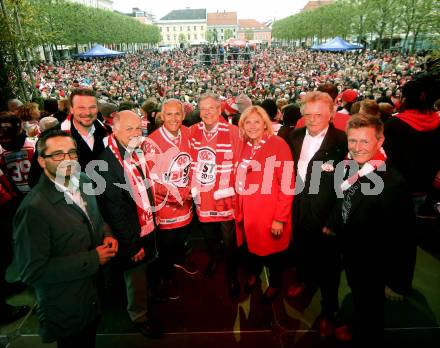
(204, 315)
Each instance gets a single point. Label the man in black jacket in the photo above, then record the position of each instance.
(89, 133)
(126, 205)
(374, 224)
(59, 244)
(316, 149)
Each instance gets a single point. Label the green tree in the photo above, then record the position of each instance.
(228, 34)
(209, 35)
(182, 39)
(248, 35)
(17, 22)
(385, 12)
(418, 16)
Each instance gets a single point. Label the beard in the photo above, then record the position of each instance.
(86, 121)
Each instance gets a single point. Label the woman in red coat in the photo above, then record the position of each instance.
(264, 184)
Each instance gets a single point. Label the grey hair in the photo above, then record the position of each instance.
(212, 96)
(173, 100)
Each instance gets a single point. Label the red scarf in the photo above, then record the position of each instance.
(131, 164)
(378, 159)
(419, 121)
(248, 153)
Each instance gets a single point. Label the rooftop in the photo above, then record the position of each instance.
(250, 24)
(312, 5)
(186, 14)
(222, 18)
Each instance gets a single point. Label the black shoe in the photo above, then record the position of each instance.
(270, 295)
(211, 268)
(171, 290)
(234, 288)
(148, 329)
(158, 293)
(12, 289)
(13, 313)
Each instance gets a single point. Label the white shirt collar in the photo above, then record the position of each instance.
(90, 132)
(171, 136)
(318, 136)
(73, 187)
(213, 130)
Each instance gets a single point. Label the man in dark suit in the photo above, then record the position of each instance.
(127, 206)
(89, 133)
(59, 244)
(316, 149)
(374, 224)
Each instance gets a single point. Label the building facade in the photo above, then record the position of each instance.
(312, 5)
(142, 16)
(251, 29)
(187, 27)
(222, 26)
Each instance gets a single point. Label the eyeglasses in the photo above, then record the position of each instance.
(61, 156)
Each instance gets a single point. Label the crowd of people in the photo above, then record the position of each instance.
(304, 134)
(270, 73)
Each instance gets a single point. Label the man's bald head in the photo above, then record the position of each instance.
(126, 127)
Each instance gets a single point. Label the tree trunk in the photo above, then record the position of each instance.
(361, 28)
(414, 41)
(46, 56)
(391, 36)
(405, 40)
(51, 55)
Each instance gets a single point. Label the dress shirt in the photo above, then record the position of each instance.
(309, 147)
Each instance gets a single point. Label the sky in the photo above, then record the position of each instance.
(259, 10)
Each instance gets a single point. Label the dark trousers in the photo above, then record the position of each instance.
(86, 338)
(216, 232)
(318, 263)
(7, 213)
(275, 262)
(171, 245)
(367, 287)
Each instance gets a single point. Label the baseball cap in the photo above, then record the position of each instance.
(349, 96)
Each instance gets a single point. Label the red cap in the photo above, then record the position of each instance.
(349, 96)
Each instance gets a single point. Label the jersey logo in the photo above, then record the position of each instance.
(178, 172)
(206, 167)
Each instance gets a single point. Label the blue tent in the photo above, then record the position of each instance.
(99, 51)
(336, 45)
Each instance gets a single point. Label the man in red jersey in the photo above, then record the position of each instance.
(168, 153)
(214, 145)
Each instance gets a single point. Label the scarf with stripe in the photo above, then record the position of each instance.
(378, 159)
(132, 166)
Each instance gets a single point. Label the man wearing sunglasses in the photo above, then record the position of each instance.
(59, 245)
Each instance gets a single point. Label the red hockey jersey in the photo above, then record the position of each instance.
(16, 164)
(169, 162)
(214, 156)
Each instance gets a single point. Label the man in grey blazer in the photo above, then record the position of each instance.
(59, 245)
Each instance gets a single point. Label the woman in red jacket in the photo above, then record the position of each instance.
(264, 183)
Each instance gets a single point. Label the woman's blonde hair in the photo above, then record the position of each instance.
(255, 109)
